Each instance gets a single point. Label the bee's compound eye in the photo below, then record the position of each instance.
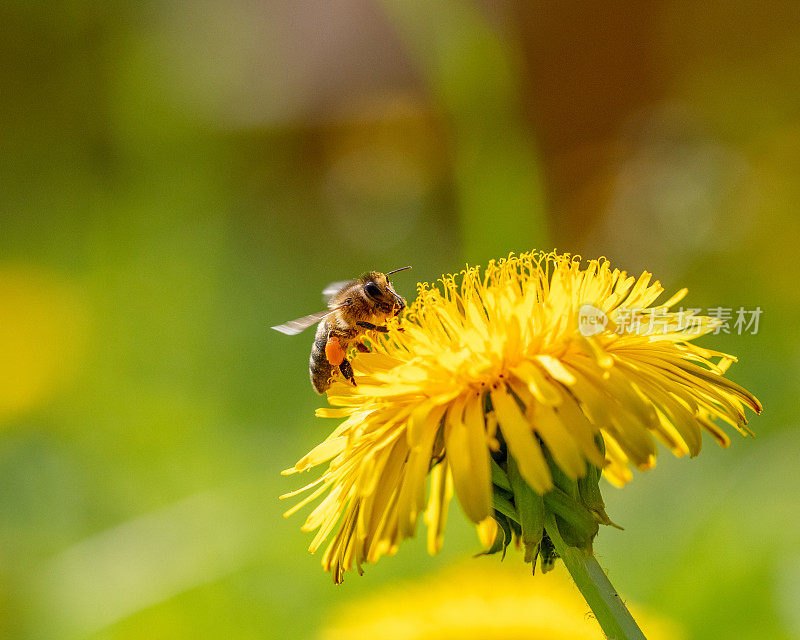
(372, 289)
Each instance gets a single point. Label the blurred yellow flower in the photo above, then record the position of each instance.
(481, 601)
(42, 336)
(536, 374)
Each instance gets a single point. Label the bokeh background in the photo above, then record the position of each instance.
(177, 177)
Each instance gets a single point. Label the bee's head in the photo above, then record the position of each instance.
(380, 292)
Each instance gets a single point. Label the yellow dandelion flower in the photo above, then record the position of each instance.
(513, 389)
(481, 602)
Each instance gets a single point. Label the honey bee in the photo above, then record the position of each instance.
(354, 307)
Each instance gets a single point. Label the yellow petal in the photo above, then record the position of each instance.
(468, 456)
(561, 444)
(475, 424)
(556, 370)
(521, 443)
(411, 499)
(436, 513)
(487, 532)
(321, 453)
(538, 384)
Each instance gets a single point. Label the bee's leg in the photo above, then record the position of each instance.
(362, 347)
(347, 371)
(373, 327)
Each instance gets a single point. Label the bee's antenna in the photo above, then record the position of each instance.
(396, 270)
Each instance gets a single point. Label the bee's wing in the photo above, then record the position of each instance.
(293, 327)
(333, 288)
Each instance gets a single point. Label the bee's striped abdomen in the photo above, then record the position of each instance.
(319, 368)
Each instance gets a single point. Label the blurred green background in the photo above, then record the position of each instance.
(177, 177)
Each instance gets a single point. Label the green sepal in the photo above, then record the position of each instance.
(530, 511)
(547, 554)
(504, 506)
(577, 524)
(499, 477)
(561, 480)
(589, 489)
(601, 444)
(506, 530)
(531, 553)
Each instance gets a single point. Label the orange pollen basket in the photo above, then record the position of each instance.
(333, 351)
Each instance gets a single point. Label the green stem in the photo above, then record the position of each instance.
(606, 604)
